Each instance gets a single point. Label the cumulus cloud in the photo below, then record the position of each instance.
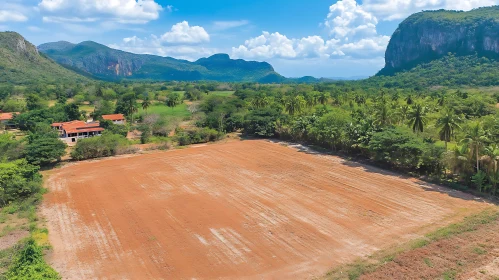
(124, 11)
(6, 16)
(399, 9)
(352, 32)
(182, 33)
(347, 19)
(182, 41)
(275, 45)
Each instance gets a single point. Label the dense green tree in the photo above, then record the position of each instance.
(294, 104)
(173, 99)
(44, 147)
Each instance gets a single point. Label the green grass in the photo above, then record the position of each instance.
(87, 108)
(222, 93)
(181, 111)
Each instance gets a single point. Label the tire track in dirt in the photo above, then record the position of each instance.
(249, 209)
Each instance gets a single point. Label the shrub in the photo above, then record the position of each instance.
(18, 179)
(196, 136)
(106, 145)
(29, 264)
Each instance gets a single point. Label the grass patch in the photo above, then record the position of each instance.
(87, 108)
(449, 274)
(479, 251)
(428, 262)
(224, 93)
(368, 265)
(181, 111)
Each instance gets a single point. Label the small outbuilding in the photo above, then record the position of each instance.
(115, 118)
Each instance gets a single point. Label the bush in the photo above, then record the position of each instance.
(44, 148)
(102, 146)
(29, 264)
(196, 136)
(18, 180)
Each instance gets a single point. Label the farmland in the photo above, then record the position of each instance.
(239, 209)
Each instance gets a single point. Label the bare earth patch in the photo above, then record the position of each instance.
(249, 209)
(471, 255)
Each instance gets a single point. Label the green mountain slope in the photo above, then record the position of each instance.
(449, 71)
(431, 35)
(21, 63)
(110, 64)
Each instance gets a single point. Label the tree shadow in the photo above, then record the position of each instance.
(377, 168)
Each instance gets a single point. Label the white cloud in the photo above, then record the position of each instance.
(224, 25)
(348, 20)
(154, 45)
(399, 9)
(6, 16)
(124, 11)
(68, 19)
(353, 32)
(182, 33)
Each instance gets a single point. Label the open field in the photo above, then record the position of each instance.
(181, 111)
(242, 209)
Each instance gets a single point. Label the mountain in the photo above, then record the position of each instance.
(431, 35)
(21, 63)
(110, 64)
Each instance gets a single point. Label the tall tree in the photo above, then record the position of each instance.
(173, 99)
(294, 104)
(475, 140)
(146, 103)
(448, 122)
(417, 118)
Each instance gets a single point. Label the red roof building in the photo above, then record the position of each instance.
(74, 130)
(6, 119)
(115, 118)
(7, 116)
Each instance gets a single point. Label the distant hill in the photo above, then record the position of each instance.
(22, 64)
(431, 35)
(110, 64)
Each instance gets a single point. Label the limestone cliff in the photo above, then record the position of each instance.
(431, 35)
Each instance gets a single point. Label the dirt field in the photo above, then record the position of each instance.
(249, 209)
(471, 255)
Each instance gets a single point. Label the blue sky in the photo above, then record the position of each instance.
(321, 38)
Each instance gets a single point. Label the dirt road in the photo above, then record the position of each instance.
(249, 209)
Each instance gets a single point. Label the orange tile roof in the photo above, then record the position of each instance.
(79, 126)
(114, 117)
(7, 116)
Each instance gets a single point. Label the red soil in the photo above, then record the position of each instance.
(250, 209)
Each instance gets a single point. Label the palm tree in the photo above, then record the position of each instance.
(146, 103)
(259, 101)
(448, 123)
(475, 140)
(294, 104)
(409, 100)
(323, 97)
(402, 113)
(382, 113)
(311, 99)
(417, 118)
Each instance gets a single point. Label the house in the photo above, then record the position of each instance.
(7, 119)
(71, 131)
(115, 118)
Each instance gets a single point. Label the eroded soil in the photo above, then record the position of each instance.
(248, 209)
